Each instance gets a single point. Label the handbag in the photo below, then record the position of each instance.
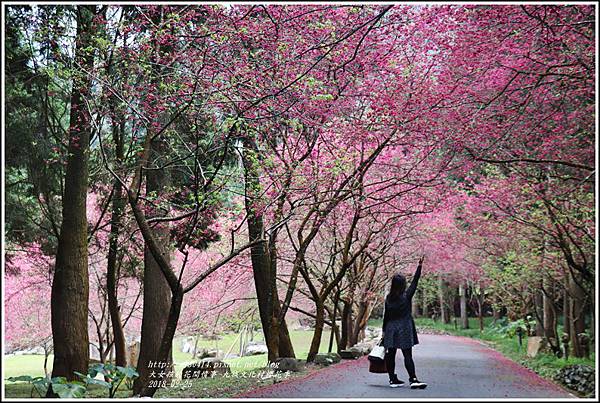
(377, 359)
(377, 356)
(378, 351)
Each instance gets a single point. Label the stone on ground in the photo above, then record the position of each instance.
(577, 377)
(350, 354)
(327, 358)
(535, 344)
(256, 348)
(284, 364)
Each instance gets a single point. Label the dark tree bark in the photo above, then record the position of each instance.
(549, 312)
(550, 315)
(539, 313)
(566, 308)
(424, 307)
(118, 204)
(263, 258)
(443, 296)
(360, 322)
(415, 307)
(480, 305)
(592, 312)
(346, 325)
(496, 312)
(286, 348)
(577, 316)
(157, 293)
(316, 340)
(334, 329)
(165, 341)
(70, 285)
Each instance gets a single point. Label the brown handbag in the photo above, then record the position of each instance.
(377, 359)
(377, 366)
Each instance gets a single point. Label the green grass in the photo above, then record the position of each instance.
(24, 390)
(375, 323)
(301, 340)
(30, 364)
(244, 367)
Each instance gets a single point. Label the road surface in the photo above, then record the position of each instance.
(453, 367)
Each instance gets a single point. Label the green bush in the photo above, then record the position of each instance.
(113, 375)
(60, 385)
(510, 328)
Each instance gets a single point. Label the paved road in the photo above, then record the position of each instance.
(454, 367)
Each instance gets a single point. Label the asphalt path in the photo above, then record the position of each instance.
(453, 367)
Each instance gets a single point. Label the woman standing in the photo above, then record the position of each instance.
(399, 331)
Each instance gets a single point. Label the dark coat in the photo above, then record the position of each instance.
(399, 330)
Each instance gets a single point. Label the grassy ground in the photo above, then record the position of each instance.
(15, 365)
(247, 371)
(300, 339)
(546, 365)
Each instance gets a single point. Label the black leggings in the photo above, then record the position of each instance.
(390, 362)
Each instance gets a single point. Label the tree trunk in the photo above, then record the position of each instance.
(264, 294)
(424, 304)
(549, 317)
(592, 312)
(577, 316)
(261, 269)
(333, 323)
(480, 304)
(70, 285)
(566, 308)
(276, 333)
(118, 204)
(352, 327)
(285, 346)
(415, 307)
(539, 312)
(496, 312)
(361, 321)
(346, 323)
(46, 355)
(464, 319)
(316, 339)
(242, 331)
(157, 293)
(443, 294)
(166, 343)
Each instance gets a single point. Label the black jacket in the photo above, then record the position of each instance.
(401, 307)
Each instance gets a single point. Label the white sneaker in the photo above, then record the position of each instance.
(416, 384)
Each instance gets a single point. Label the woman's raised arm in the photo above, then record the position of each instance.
(415, 281)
